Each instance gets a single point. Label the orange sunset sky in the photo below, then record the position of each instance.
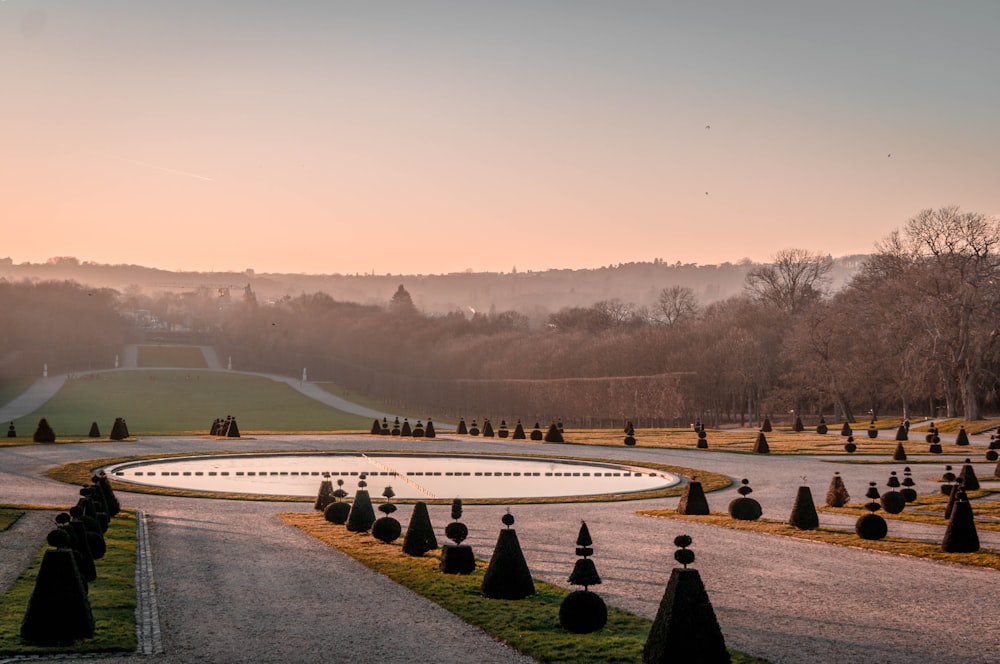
(431, 137)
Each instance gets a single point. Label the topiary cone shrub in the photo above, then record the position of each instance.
(760, 446)
(554, 434)
(902, 433)
(961, 535)
(685, 628)
(745, 508)
(962, 438)
(836, 495)
(519, 432)
(405, 430)
(118, 430)
(325, 495)
(871, 526)
(536, 433)
(376, 428)
(462, 430)
(429, 431)
(804, 516)
(419, 537)
(95, 431)
(702, 440)
(968, 476)
(629, 440)
(488, 429)
(798, 427)
(583, 611)
(693, 500)
(507, 576)
(900, 453)
(101, 481)
(846, 429)
(457, 558)
(43, 432)
(362, 514)
(58, 611)
(232, 431)
(766, 426)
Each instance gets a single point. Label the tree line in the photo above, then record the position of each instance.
(911, 333)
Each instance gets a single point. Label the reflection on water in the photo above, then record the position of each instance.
(411, 476)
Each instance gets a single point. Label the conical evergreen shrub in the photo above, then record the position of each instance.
(804, 516)
(554, 434)
(95, 431)
(462, 430)
(519, 432)
(58, 611)
(488, 429)
(325, 495)
(232, 431)
(963, 437)
(405, 430)
(902, 433)
(429, 431)
(846, 429)
(507, 576)
(961, 535)
(376, 427)
(118, 430)
(685, 628)
(969, 480)
(43, 432)
(419, 537)
(583, 611)
(766, 426)
(798, 427)
(693, 499)
(362, 514)
(836, 495)
(900, 453)
(760, 446)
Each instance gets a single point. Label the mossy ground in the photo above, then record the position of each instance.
(530, 625)
(112, 598)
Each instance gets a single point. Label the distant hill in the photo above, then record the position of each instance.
(532, 293)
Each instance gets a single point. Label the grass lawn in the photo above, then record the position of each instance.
(182, 357)
(184, 402)
(8, 516)
(112, 598)
(12, 388)
(529, 625)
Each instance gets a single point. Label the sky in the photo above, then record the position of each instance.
(429, 137)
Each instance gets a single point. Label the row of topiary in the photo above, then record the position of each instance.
(554, 434)
(225, 427)
(58, 611)
(416, 431)
(960, 535)
(685, 628)
(45, 434)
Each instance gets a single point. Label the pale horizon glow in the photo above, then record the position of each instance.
(426, 137)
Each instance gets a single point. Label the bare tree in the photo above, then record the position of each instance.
(793, 280)
(674, 305)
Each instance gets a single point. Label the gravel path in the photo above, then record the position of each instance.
(234, 583)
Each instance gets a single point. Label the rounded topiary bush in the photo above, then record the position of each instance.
(630, 440)
(872, 432)
(893, 502)
(386, 529)
(536, 433)
(871, 527)
(991, 455)
(850, 446)
(456, 531)
(821, 428)
(837, 495)
(583, 612)
(702, 440)
(503, 431)
(337, 513)
(745, 508)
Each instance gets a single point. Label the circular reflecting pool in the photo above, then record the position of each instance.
(411, 476)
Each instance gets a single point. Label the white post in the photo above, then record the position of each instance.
(304, 379)
(230, 362)
(45, 370)
(116, 360)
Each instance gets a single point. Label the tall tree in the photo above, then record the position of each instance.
(794, 279)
